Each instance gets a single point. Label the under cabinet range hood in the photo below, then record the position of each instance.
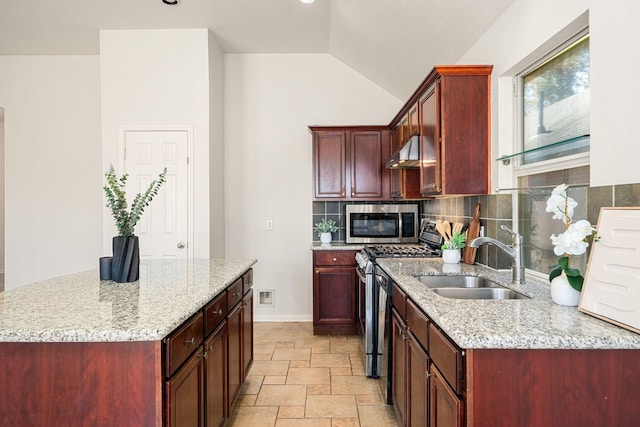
(408, 156)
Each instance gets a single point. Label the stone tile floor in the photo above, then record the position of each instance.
(305, 380)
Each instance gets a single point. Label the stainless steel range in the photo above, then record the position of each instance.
(373, 295)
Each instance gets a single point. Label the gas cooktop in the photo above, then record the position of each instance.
(401, 251)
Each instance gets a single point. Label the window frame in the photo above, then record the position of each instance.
(519, 169)
(564, 162)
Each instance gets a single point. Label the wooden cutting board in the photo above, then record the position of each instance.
(472, 233)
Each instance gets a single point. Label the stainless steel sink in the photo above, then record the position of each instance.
(479, 293)
(457, 282)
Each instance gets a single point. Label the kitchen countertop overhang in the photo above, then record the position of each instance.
(81, 308)
(535, 323)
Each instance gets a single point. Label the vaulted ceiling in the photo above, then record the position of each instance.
(394, 43)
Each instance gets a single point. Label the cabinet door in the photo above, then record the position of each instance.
(398, 363)
(247, 333)
(417, 384)
(335, 307)
(366, 154)
(234, 354)
(185, 393)
(413, 122)
(446, 409)
(216, 377)
(330, 164)
(395, 174)
(430, 170)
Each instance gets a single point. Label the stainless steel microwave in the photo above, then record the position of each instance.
(382, 223)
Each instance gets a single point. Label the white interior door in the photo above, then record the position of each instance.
(163, 228)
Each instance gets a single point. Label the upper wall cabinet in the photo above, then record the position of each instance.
(454, 127)
(348, 163)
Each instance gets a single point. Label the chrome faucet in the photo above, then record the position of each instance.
(515, 251)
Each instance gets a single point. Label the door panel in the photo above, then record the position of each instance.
(163, 228)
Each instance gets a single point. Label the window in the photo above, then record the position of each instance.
(554, 137)
(554, 104)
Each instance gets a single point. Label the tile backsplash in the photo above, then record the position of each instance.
(497, 209)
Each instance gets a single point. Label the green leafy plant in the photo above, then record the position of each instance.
(457, 241)
(326, 226)
(115, 190)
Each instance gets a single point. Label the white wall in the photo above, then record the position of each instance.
(524, 30)
(270, 100)
(158, 77)
(53, 178)
(216, 148)
(2, 193)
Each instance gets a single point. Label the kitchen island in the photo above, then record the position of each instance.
(75, 350)
(524, 362)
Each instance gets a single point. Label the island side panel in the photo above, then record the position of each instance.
(69, 383)
(569, 388)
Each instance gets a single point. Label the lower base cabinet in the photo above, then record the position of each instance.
(445, 406)
(202, 390)
(335, 292)
(216, 377)
(438, 384)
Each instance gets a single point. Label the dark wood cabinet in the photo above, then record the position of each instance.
(216, 377)
(348, 162)
(234, 325)
(240, 344)
(185, 393)
(399, 366)
(446, 408)
(403, 183)
(413, 378)
(455, 128)
(335, 290)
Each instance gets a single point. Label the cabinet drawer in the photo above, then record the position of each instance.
(215, 312)
(234, 293)
(447, 357)
(334, 258)
(399, 299)
(247, 280)
(182, 342)
(418, 323)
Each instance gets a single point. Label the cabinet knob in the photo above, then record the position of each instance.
(204, 355)
(219, 312)
(192, 341)
(334, 260)
(180, 245)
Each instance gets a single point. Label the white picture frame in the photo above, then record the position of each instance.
(611, 289)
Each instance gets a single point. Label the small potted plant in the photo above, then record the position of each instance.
(324, 229)
(451, 248)
(126, 259)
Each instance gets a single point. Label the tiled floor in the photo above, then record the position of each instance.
(298, 379)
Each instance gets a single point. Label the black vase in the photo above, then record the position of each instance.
(126, 259)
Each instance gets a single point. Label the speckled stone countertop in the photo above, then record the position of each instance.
(79, 307)
(520, 323)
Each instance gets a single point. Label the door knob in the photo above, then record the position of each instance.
(180, 245)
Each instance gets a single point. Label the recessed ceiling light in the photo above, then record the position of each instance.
(307, 1)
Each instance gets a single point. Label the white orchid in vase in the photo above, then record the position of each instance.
(574, 239)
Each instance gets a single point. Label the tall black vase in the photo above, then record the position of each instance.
(126, 259)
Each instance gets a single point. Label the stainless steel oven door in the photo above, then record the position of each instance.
(383, 284)
(366, 296)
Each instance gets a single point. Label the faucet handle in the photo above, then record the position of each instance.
(516, 237)
(507, 229)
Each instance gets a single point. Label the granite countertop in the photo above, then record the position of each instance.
(81, 308)
(534, 323)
